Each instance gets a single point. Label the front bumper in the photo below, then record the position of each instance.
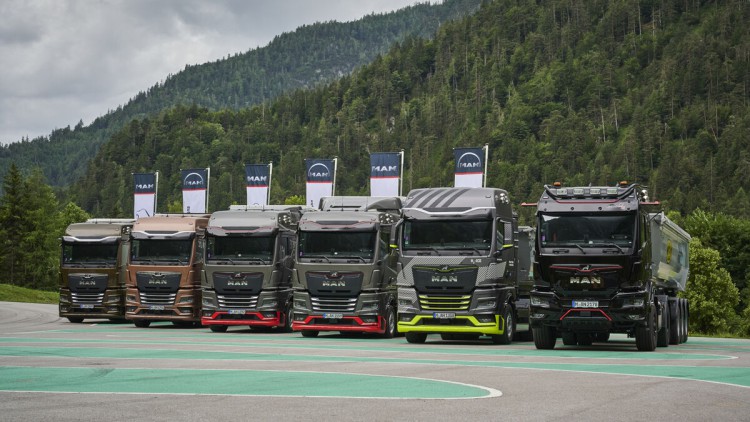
(466, 324)
(621, 313)
(109, 307)
(185, 307)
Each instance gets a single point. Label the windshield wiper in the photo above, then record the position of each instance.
(423, 248)
(613, 245)
(467, 248)
(359, 258)
(566, 250)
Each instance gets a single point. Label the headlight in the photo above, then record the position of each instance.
(637, 302)
(369, 307)
(487, 303)
(539, 301)
(270, 303)
(186, 299)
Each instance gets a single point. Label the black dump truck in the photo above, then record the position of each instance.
(607, 260)
(459, 266)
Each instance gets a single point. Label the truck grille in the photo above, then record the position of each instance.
(237, 301)
(445, 302)
(157, 298)
(87, 298)
(333, 304)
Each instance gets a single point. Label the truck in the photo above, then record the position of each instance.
(163, 271)
(247, 275)
(458, 266)
(345, 270)
(92, 269)
(607, 260)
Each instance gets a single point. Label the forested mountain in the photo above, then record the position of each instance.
(304, 58)
(577, 91)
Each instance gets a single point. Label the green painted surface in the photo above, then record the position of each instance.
(731, 375)
(234, 382)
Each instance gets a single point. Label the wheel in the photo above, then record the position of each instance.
(662, 338)
(142, 323)
(569, 339)
(685, 320)
(75, 320)
(545, 337)
(675, 322)
(288, 318)
(416, 337)
(645, 337)
(585, 339)
(310, 333)
(601, 337)
(510, 328)
(218, 328)
(390, 323)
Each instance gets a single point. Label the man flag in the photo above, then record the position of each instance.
(471, 166)
(385, 173)
(195, 190)
(258, 179)
(321, 179)
(144, 194)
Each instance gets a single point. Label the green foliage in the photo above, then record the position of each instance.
(72, 213)
(710, 291)
(10, 293)
(295, 200)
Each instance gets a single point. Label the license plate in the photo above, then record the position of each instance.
(237, 312)
(444, 315)
(87, 306)
(156, 307)
(333, 316)
(585, 303)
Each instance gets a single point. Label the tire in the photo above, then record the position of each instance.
(545, 337)
(585, 339)
(675, 322)
(310, 333)
(288, 318)
(510, 328)
(601, 337)
(75, 320)
(685, 320)
(141, 323)
(218, 328)
(390, 323)
(645, 337)
(662, 338)
(569, 338)
(416, 337)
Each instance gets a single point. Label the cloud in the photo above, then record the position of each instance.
(67, 60)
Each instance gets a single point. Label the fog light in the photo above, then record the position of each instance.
(485, 318)
(185, 310)
(207, 313)
(369, 319)
(635, 317)
(131, 309)
(112, 308)
(405, 317)
(64, 309)
(268, 314)
(299, 317)
(537, 316)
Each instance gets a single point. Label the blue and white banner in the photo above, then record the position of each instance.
(144, 194)
(470, 167)
(321, 177)
(194, 190)
(258, 179)
(385, 173)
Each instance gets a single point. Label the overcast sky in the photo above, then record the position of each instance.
(66, 60)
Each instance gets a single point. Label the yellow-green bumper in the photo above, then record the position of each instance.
(471, 326)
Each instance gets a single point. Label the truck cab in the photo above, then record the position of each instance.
(458, 265)
(92, 269)
(163, 272)
(345, 271)
(247, 275)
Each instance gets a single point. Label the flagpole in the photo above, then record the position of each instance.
(401, 177)
(486, 154)
(335, 165)
(208, 182)
(270, 173)
(156, 191)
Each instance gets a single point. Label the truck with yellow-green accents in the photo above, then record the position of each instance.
(458, 265)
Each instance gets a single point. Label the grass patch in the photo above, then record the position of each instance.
(10, 293)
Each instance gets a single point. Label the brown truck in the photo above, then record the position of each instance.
(163, 272)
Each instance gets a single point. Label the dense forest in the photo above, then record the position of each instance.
(307, 57)
(651, 91)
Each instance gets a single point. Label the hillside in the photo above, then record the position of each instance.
(581, 92)
(311, 55)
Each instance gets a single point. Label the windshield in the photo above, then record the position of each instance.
(77, 254)
(587, 230)
(151, 251)
(236, 249)
(448, 235)
(343, 245)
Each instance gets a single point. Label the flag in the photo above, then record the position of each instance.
(144, 194)
(385, 173)
(258, 179)
(321, 177)
(195, 190)
(470, 166)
